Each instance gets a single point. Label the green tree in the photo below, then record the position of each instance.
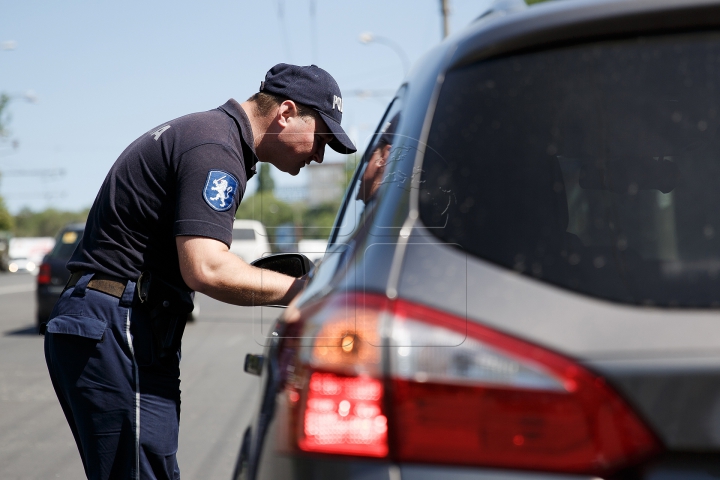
(266, 182)
(46, 223)
(266, 208)
(530, 2)
(319, 220)
(6, 220)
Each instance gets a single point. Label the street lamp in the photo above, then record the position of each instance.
(367, 38)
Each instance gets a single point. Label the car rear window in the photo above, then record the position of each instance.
(65, 244)
(595, 167)
(243, 234)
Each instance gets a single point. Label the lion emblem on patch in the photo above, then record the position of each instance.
(220, 189)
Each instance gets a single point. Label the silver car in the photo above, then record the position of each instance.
(523, 281)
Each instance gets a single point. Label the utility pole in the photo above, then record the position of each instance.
(313, 31)
(444, 11)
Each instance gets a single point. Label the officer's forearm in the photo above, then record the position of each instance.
(250, 288)
(208, 267)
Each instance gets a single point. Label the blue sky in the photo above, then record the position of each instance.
(104, 73)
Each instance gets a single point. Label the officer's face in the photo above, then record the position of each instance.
(301, 141)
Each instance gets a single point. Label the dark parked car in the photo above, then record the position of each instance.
(53, 274)
(524, 277)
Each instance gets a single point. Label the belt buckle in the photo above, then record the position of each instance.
(143, 286)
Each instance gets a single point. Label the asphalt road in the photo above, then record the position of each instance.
(217, 396)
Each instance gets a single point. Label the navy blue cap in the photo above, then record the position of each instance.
(316, 88)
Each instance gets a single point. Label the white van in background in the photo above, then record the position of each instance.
(314, 249)
(250, 240)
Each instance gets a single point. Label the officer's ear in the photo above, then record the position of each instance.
(286, 110)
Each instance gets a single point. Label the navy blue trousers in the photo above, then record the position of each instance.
(121, 401)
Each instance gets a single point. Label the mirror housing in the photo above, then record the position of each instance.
(253, 364)
(292, 264)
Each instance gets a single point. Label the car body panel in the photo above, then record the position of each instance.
(678, 395)
(559, 23)
(431, 472)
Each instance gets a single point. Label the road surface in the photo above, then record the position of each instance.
(217, 396)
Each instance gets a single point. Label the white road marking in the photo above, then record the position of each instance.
(28, 287)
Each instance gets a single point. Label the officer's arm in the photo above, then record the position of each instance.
(207, 266)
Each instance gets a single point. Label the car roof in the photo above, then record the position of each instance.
(74, 226)
(244, 223)
(554, 23)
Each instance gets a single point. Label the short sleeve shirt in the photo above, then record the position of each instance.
(183, 177)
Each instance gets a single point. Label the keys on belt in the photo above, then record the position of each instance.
(100, 282)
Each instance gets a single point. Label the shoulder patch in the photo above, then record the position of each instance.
(220, 189)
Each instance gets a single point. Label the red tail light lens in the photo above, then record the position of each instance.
(344, 415)
(451, 391)
(497, 401)
(44, 274)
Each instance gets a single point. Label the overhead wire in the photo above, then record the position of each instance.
(284, 30)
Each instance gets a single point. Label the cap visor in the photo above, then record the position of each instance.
(341, 142)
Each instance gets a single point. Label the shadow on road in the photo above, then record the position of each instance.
(31, 330)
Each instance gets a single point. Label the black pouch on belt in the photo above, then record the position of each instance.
(169, 307)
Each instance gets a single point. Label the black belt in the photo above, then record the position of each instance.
(100, 282)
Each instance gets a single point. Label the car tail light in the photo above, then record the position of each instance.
(44, 274)
(436, 388)
(344, 415)
(343, 408)
(467, 394)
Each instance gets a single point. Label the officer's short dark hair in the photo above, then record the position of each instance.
(265, 103)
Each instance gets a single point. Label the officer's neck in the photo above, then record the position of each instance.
(258, 123)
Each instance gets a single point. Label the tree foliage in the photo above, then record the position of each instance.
(46, 223)
(6, 220)
(318, 221)
(530, 2)
(265, 180)
(267, 209)
(314, 222)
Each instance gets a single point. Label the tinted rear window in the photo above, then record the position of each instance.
(65, 244)
(595, 168)
(243, 234)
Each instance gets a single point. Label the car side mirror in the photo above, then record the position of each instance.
(254, 364)
(292, 264)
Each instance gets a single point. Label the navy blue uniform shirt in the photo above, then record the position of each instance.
(184, 177)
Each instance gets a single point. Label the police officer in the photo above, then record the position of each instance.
(160, 229)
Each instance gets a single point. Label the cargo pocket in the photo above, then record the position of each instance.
(69, 317)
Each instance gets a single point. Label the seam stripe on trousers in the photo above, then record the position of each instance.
(136, 373)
